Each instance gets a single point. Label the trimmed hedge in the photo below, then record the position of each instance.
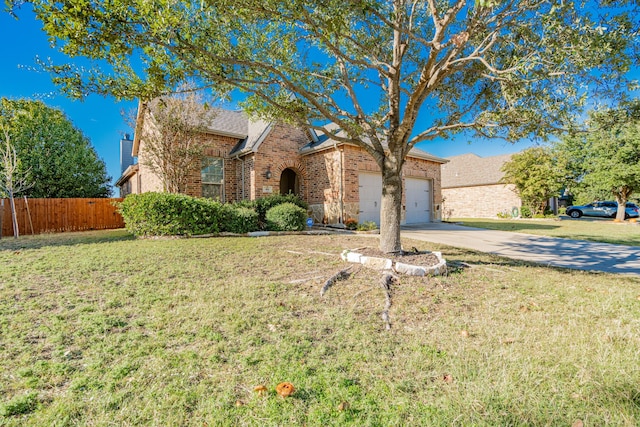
(240, 220)
(262, 205)
(286, 217)
(166, 214)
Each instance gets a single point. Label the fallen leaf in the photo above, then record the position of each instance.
(638, 297)
(260, 389)
(524, 308)
(508, 341)
(343, 406)
(285, 389)
(239, 403)
(577, 423)
(464, 333)
(447, 378)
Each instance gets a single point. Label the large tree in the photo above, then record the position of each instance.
(60, 157)
(390, 73)
(604, 161)
(535, 175)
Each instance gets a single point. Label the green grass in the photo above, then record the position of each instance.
(100, 329)
(605, 231)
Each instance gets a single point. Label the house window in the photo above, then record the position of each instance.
(212, 177)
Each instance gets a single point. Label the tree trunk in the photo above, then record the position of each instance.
(621, 198)
(14, 217)
(390, 208)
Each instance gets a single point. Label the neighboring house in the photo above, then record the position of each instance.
(248, 159)
(471, 187)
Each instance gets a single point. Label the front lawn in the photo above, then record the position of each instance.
(595, 230)
(101, 329)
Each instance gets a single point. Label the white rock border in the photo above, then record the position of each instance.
(388, 264)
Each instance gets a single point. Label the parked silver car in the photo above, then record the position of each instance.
(605, 209)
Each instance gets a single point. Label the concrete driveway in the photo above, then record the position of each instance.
(576, 254)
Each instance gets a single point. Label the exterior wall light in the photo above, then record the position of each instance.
(267, 174)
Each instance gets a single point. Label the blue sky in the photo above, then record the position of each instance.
(100, 118)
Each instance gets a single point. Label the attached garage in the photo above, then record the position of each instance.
(418, 200)
(370, 193)
(418, 197)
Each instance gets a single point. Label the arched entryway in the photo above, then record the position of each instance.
(289, 182)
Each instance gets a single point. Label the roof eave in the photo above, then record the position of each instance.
(128, 173)
(328, 146)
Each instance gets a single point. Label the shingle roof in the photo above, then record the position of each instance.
(257, 131)
(324, 142)
(469, 170)
(229, 122)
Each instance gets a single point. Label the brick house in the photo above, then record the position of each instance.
(472, 187)
(248, 159)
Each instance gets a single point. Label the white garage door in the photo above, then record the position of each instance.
(418, 199)
(370, 192)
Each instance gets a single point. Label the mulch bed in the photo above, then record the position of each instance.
(420, 258)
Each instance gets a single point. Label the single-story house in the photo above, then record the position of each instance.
(472, 187)
(248, 159)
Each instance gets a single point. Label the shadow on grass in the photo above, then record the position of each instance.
(64, 239)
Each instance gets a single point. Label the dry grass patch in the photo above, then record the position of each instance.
(100, 329)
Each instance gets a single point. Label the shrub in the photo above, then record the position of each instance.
(351, 224)
(504, 214)
(165, 214)
(367, 226)
(286, 217)
(525, 212)
(239, 219)
(263, 204)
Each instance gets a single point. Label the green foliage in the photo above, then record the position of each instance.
(525, 212)
(606, 160)
(367, 226)
(351, 224)
(239, 219)
(263, 204)
(20, 405)
(535, 176)
(60, 158)
(165, 214)
(504, 214)
(286, 217)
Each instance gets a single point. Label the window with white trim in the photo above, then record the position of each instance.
(212, 174)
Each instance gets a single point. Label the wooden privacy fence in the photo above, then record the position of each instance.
(58, 215)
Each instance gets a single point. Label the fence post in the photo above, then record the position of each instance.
(1, 215)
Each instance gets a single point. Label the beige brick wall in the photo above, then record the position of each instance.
(480, 201)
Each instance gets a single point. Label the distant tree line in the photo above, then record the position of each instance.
(599, 162)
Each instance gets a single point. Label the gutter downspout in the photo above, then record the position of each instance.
(341, 189)
(242, 174)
